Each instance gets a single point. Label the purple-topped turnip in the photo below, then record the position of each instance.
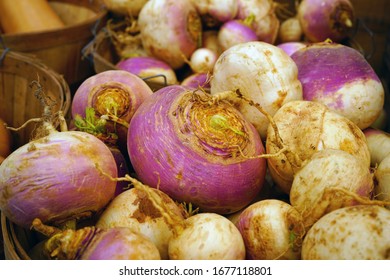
(197, 80)
(150, 69)
(291, 47)
(112, 94)
(57, 176)
(341, 78)
(234, 32)
(91, 243)
(196, 149)
(326, 19)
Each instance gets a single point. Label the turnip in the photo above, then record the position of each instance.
(350, 233)
(290, 30)
(342, 79)
(197, 80)
(91, 243)
(326, 19)
(265, 22)
(331, 179)
(291, 47)
(111, 93)
(215, 12)
(382, 176)
(271, 229)
(207, 236)
(134, 209)
(170, 30)
(150, 68)
(261, 72)
(234, 32)
(98, 127)
(196, 149)
(378, 144)
(202, 60)
(305, 127)
(204, 236)
(56, 177)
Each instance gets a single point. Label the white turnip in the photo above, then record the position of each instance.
(271, 229)
(262, 73)
(207, 236)
(305, 127)
(202, 60)
(331, 179)
(351, 233)
(134, 209)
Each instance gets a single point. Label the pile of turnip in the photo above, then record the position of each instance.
(260, 146)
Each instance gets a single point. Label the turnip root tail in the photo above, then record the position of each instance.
(63, 244)
(158, 203)
(48, 116)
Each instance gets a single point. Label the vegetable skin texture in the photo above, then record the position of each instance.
(271, 229)
(263, 73)
(314, 188)
(326, 19)
(207, 236)
(351, 233)
(178, 21)
(342, 79)
(306, 127)
(24, 16)
(56, 178)
(134, 209)
(174, 145)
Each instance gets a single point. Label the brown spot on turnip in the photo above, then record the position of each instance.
(145, 209)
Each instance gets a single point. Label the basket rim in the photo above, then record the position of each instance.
(49, 38)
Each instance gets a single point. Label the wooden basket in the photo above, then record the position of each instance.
(17, 101)
(61, 49)
(17, 105)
